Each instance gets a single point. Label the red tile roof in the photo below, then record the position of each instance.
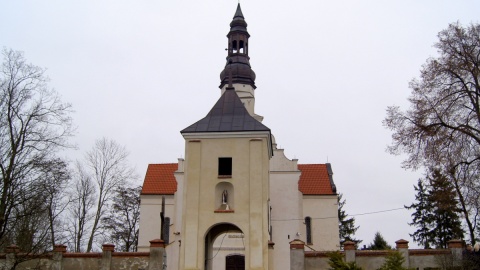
(314, 179)
(159, 179)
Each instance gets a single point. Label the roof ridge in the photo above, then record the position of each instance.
(162, 163)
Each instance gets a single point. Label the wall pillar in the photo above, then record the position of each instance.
(11, 256)
(402, 247)
(456, 247)
(157, 249)
(349, 248)
(107, 250)
(57, 257)
(271, 259)
(297, 255)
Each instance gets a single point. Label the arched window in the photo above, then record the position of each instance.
(241, 48)
(234, 47)
(308, 225)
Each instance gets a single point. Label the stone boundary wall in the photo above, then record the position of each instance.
(108, 259)
(420, 259)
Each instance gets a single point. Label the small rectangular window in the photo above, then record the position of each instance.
(224, 167)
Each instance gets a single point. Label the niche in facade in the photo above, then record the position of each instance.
(224, 197)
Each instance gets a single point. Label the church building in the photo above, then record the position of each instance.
(236, 201)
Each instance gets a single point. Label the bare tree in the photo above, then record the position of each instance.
(122, 223)
(81, 209)
(34, 125)
(55, 178)
(441, 129)
(107, 165)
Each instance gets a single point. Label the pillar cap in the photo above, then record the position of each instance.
(12, 249)
(455, 243)
(157, 243)
(108, 247)
(60, 248)
(297, 244)
(348, 245)
(402, 243)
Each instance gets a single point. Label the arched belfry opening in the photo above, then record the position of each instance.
(238, 45)
(217, 257)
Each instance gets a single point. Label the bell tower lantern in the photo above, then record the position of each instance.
(238, 64)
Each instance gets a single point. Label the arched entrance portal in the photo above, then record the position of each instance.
(224, 241)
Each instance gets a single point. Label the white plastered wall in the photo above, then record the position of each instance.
(286, 203)
(150, 208)
(323, 210)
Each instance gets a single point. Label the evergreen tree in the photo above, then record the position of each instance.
(393, 261)
(346, 226)
(336, 262)
(379, 243)
(437, 214)
(423, 216)
(446, 213)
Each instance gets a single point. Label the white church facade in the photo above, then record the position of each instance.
(236, 201)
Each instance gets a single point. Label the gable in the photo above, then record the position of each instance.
(160, 180)
(316, 179)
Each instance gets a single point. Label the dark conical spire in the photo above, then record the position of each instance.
(237, 60)
(238, 23)
(238, 13)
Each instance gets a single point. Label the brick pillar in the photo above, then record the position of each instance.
(271, 264)
(107, 250)
(57, 256)
(456, 247)
(297, 255)
(349, 248)
(402, 247)
(11, 255)
(157, 249)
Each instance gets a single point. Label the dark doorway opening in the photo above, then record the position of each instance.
(235, 262)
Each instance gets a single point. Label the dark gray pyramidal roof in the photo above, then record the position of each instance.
(227, 115)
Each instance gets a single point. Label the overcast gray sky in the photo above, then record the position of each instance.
(140, 71)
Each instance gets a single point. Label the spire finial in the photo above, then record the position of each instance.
(238, 12)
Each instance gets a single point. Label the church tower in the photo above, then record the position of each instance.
(235, 193)
(226, 167)
(238, 64)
